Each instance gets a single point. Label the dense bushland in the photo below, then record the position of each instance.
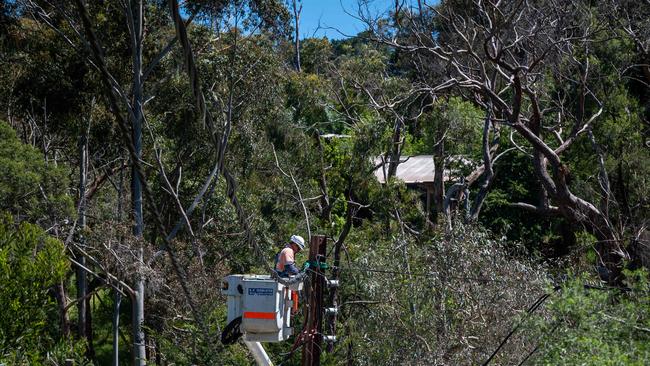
(149, 148)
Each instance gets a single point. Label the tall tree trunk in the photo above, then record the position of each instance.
(135, 18)
(396, 148)
(488, 162)
(573, 208)
(326, 213)
(82, 279)
(59, 293)
(89, 326)
(137, 309)
(117, 301)
(116, 328)
(296, 14)
(439, 174)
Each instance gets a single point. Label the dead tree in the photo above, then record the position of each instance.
(297, 10)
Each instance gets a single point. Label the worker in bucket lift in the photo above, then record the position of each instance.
(285, 260)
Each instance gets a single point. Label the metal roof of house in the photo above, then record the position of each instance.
(413, 169)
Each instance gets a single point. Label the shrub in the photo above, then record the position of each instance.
(31, 262)
(447, 300)
(597, 326)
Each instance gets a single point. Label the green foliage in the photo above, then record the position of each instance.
(594, 326)
(446, 300)
(306, 95)
(315, 54)
(30, 188)
(516, 182)
(434, 295)
(271, 15)
(50, 76)
(459, 121)
(31, 262)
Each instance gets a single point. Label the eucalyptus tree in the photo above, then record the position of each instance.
(85, 28)
(528, 65)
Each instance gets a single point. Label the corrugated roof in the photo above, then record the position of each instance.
(414, 169)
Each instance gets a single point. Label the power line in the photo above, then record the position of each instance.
(416, 274)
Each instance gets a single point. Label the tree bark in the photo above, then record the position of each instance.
(396, 148)
(59, 293)
(439, 174)
(116, 328)
(488, 162)
(89, 327)
(296, 14)
(135, 18)
(326, 213)
(82, 277)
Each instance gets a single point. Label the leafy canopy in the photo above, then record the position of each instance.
(29, 187)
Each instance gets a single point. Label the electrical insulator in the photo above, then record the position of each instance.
(332, 283)
(331, 311)
(329, 339)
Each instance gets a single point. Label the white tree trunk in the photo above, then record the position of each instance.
(135, 18)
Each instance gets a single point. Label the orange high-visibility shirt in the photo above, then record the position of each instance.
(286, 257)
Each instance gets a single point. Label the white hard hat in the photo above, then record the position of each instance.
(299, 241)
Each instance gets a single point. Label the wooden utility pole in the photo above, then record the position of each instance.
(311, 348)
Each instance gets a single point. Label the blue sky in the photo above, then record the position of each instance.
(332, 16)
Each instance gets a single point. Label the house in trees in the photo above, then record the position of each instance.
(417, 172)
